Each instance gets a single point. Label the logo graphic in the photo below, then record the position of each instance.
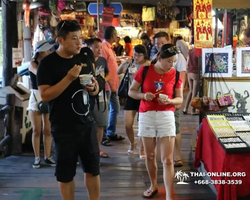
(181, 177)
(158, 86)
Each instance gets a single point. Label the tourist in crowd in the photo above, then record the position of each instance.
(128, 46)
(162, 38)
(118, 48)
(131, 106)
(193, 80)
(72, 126)
(100, 112)
(156, 115)
(183, 46)
(110, 36)
(147, 42)
(246, 37)
(39, 121)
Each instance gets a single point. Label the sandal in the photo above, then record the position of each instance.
(106, 143)
(148, 194)
(116, 138)
(178, 163)
(103, 154)
(132, 148)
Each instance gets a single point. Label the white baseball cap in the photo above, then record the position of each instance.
(43, 46)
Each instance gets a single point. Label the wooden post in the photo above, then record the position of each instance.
(9, 39)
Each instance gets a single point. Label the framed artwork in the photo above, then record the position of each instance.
(243, 62)
(238, 87)
(223, 65)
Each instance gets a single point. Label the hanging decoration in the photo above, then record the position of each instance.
(26, 8)
(166, 11)
(203, 24)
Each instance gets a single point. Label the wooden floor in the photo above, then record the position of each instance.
(123, 177)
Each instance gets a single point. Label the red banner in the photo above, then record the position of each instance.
(203, 24)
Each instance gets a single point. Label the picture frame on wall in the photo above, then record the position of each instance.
(223, 65)
(243, 62)
(236, 86)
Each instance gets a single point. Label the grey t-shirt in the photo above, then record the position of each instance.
(101, 68)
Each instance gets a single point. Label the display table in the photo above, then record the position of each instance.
(215, 159)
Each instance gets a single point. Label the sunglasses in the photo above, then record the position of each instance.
(173, 49)
(67, 23)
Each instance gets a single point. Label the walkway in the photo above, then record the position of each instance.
(122, 177)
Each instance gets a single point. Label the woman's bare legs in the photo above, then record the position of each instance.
(167, 151)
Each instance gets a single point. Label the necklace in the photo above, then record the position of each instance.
(161, 77)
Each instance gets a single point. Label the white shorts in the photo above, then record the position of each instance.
(33, 103)
(156, 124)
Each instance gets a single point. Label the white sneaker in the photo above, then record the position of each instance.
(37, 163)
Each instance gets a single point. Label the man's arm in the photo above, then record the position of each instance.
(49, 92)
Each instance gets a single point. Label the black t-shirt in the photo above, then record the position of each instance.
(69, 112)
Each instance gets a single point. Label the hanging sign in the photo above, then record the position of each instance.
(17, 57)
(92, 8)
(203, 24)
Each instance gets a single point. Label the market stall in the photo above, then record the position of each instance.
(211, 150)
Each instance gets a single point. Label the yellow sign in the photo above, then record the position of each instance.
(182, 32)
(203, 21)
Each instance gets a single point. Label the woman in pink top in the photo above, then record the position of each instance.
(193, 78)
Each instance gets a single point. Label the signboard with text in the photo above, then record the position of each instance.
(17, 57)
(203, 24)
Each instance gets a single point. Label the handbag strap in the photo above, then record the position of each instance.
(35, 96)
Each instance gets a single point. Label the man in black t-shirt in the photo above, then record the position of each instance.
(72, 126)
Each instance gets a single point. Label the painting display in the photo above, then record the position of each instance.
(222, 65)
(243, 62)
(238, 87)
(203, 21)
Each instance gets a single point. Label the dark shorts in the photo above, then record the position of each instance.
(74, 146)
(132, 104)
(177, 121)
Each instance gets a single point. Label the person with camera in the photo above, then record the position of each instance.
(39, 118)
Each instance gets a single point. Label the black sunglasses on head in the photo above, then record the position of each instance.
(173, 49)
(67, 23)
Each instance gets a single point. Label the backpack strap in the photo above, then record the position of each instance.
(177, 76)
(144, 73)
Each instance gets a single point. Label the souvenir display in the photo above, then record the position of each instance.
(231, 130)
(240, 125)
(235, 145)
(228, 140)
(224, 132)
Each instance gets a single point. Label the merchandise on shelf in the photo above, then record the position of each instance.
(232, 131)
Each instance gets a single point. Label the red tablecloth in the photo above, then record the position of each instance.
(215, 159)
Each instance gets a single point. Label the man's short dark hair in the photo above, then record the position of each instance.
(109, 32)
(162, 34)
(91, 41)
(127, 39)
(179, 38)
(144, 36)
(64, 27)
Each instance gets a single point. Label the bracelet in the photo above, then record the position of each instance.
(145, 96)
